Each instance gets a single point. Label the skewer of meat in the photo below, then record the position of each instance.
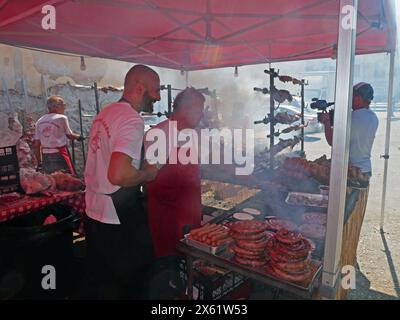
(295, 128)
(276, 134)
(286, 118)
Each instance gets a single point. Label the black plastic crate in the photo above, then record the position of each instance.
(9, 170)
(212, 287)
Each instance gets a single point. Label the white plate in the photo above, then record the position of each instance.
(243, 216)
(252, 211)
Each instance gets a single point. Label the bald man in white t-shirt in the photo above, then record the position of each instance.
(118, 238)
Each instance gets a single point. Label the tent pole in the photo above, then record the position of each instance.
(387, 137)
(187, 78)
(169, 87)
(96, 97)
(340, 150)
(45, 94)
(272, 114)
(302, 114)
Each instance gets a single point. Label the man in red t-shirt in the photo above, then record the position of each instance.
(174, 197)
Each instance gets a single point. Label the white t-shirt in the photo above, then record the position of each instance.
(364, 124)
(51, 130)
(117, 128)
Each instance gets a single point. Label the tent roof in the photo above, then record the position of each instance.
(194, 35)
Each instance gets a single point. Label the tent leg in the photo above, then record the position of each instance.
(387, 137)
(340, 150)
(187, 78)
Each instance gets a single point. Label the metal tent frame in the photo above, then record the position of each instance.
(194, 35)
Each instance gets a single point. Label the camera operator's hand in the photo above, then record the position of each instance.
(324, 117)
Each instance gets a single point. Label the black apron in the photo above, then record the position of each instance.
(128, 203)
(137, 253)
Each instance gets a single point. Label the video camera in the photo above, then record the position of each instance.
(322, 106)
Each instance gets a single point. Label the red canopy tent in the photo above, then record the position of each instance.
(204, 34)
(194, 35)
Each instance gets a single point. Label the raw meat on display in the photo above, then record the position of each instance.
(250, 242)
(244, 236)
(289, 254)
(277, 224)
(33, 182)
(211, 234)
(249, 227)
(249, 262)
(67, 182)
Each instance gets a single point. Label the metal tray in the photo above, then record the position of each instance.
(203, 246)
(292, 199)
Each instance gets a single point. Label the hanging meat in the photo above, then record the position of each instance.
(294, 128)
(290, 79)
(281, 95)
(285, 143)
(288, 129)
(276, 134)
(24, 154)
(286, 118)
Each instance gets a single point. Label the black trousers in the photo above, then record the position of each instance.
(120, 256)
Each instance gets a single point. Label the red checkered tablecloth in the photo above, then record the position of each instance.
(29, 204)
